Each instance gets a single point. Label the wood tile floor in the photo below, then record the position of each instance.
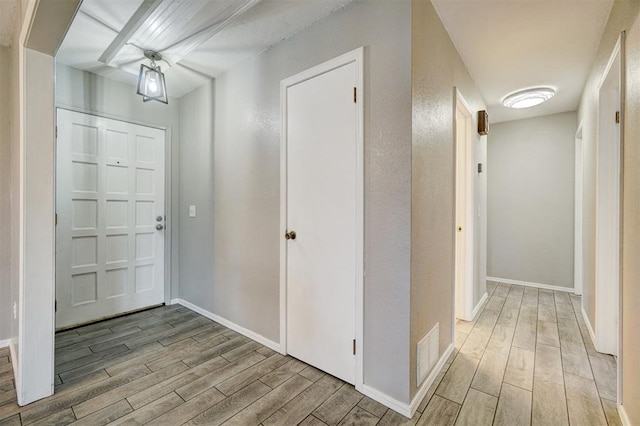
(526, 359)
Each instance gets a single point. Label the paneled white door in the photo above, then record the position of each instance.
(322, 196)
(110, 217)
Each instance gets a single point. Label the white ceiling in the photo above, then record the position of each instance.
(7, 17)
(510, 45)
(199, 39)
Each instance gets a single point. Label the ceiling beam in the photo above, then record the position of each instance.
(194, 40)
(139, 17)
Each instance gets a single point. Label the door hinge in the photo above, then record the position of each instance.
(355, 95)
(354, 346)
(618, 117)
(56, 132)
(56, 219)
(55, 305)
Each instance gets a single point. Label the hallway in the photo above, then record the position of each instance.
(526, 359)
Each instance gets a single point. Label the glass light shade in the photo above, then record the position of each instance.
(151, 84)
(528, 98)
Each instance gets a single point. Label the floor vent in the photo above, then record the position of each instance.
(428, 350)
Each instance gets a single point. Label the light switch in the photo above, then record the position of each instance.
(192, 211)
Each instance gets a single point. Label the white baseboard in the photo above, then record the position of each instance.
(530, 284)
(16, 371)
(5, 343)
(624, 418)
(479, 306)
(424, 388)
(229, 324)
(386, 400)
(590, 328)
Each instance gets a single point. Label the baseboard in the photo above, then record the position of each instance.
(479, 306)
(386, 400)
(5, 343)
(229, 324)
(16, 371)
(590, 328)
(424, 388)
(624, 418)
(530, 284)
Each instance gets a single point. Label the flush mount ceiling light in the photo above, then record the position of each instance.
(528, 98)
(151, 85)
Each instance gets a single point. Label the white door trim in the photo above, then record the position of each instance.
(350, 57)
(609, 209)
(463, 309)
(578, 250)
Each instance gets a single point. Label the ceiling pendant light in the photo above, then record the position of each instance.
(151, 85)
(528, 98)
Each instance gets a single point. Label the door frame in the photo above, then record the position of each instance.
(168, 222)
(463, 309)
(355, 56)
(578, 249)
(609, 215)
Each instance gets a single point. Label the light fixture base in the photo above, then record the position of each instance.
(154, 56)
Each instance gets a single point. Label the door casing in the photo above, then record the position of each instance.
(347, 58)
(578, 268)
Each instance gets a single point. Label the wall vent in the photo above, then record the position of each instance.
(427, 353)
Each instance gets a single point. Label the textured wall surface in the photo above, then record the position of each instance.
(436, 69)
(631, 228)
(230, 169)
(531, 194)
(625, 16)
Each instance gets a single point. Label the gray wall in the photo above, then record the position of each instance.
(531, 200)
(624, 16)
(437, 69)
(229, 254)
(87, 92)
(5, 197)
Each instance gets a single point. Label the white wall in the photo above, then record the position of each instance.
(531, 200)
(87, 92)
(5, 196)
(230, 169)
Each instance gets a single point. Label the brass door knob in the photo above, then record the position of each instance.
(291, 235)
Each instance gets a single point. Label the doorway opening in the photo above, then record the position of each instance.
(464, 241)
(608, 202)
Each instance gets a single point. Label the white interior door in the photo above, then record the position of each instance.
(464, 214)
(109, 204)
(608, 174)
(322, 196)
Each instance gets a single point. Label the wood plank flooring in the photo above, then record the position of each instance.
(525, 359)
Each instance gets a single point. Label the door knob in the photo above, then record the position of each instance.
(159, 227)
(291, 235)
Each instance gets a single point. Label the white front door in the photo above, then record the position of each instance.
(109, 205)
(322, 195)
